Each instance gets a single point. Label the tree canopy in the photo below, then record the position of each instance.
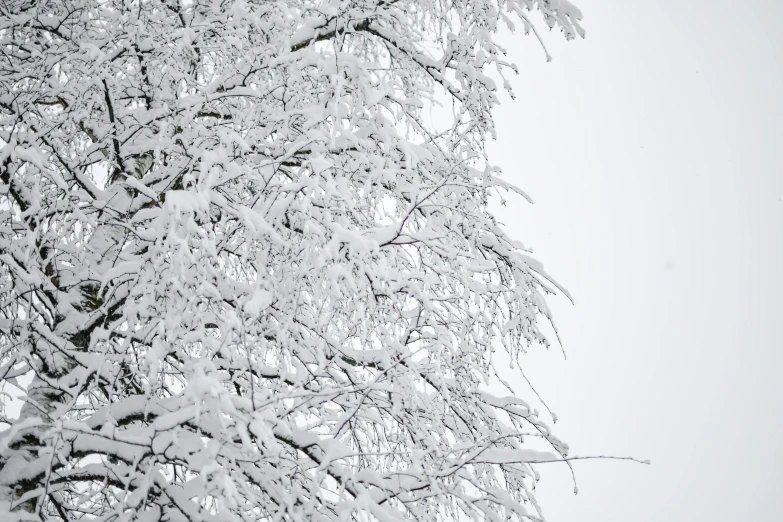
(245, 273)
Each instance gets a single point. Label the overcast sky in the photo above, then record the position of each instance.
(652, 151)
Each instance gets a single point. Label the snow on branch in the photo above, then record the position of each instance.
(244, 277)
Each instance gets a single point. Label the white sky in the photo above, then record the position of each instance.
(651, 150)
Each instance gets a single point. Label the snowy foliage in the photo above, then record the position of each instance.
(243, 276)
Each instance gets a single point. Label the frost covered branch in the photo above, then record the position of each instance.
(243, 278)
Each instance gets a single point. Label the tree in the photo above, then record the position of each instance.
(244, 277)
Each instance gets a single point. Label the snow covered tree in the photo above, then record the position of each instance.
(246, 275)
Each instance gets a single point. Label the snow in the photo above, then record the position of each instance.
(511, 456)
(250, 275)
